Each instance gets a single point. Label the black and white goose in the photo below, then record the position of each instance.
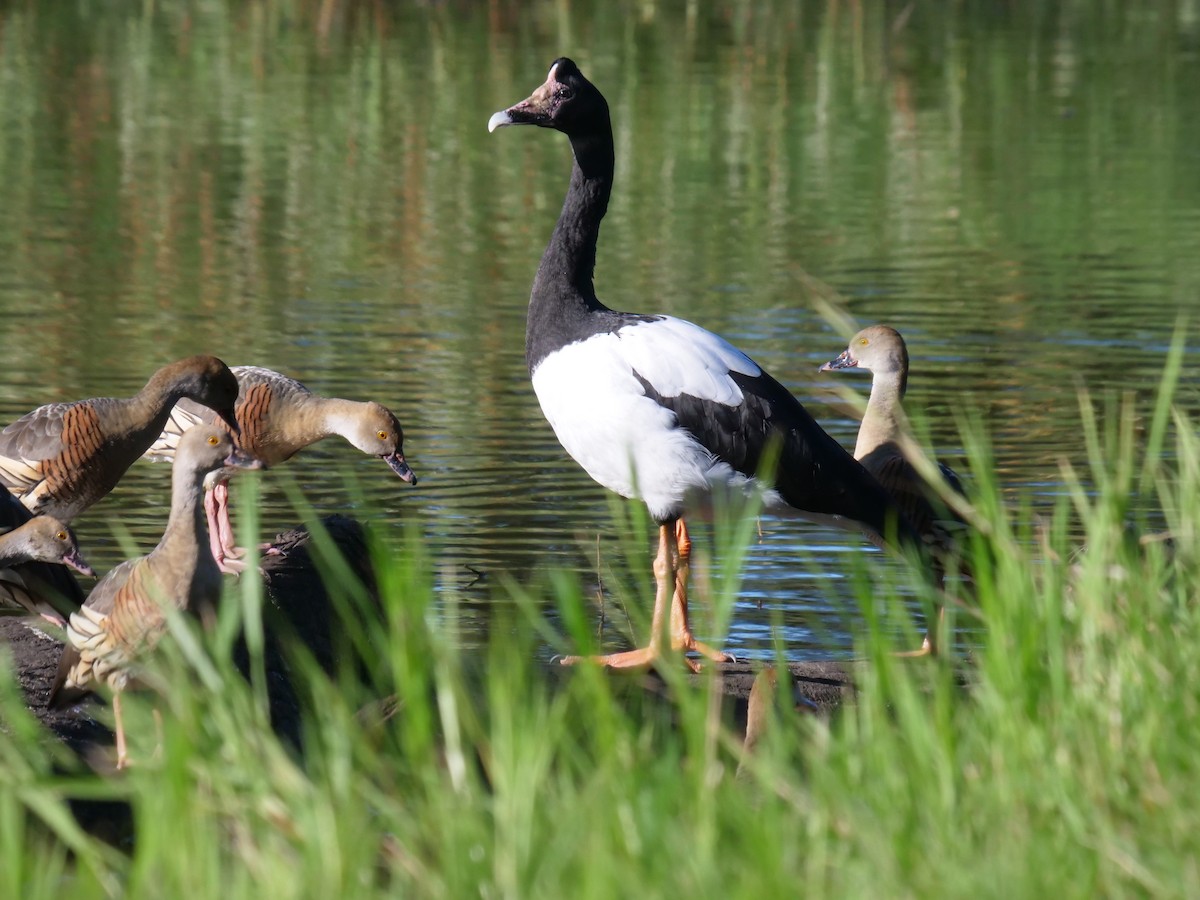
(657, 408)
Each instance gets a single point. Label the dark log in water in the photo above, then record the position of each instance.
(297, 604)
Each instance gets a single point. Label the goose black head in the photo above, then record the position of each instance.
(567, 102)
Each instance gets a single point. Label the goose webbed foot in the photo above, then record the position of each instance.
(703, 649)
(681, 644)
(628, 659)
(670, 600)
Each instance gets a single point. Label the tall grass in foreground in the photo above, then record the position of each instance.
(1066, 768)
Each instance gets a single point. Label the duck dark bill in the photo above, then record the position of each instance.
(397, 464)
(240, 459)
(75, 560)
(843, 361)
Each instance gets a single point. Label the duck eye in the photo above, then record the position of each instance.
(60, 536)
(863, 342)
(213, 440)
(382, 435)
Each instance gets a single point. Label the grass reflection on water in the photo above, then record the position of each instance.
(312, 188)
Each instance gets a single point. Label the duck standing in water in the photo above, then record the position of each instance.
(881, 350)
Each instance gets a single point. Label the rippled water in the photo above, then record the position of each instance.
(1019, 195)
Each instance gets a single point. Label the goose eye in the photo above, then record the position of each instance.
(382, 435)
(60, 536)
(213, 440)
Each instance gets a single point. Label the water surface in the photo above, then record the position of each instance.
(316, 191)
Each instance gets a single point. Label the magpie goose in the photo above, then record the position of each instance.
(657, 408)
(881, 350)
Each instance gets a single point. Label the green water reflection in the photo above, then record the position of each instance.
(311, 186)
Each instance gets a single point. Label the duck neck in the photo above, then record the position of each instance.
(884, 419)
(183, 553)
(14, 549)
(562, 290)
(334, 416)
(152, 405)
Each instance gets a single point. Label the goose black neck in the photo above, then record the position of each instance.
(563, 294)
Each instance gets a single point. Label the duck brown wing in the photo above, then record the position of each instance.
(919, 501)
(253, 376)
(28, 443)
(36, 435)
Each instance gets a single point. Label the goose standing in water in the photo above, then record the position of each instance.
(654, 407)
(124, 615)
(278, 417)
(881, 351)
(63, 457)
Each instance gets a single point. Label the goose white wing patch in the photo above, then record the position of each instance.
(604, 418)
(677, 357)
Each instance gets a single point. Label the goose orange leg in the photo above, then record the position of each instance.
(670, 591)
(681, 634)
